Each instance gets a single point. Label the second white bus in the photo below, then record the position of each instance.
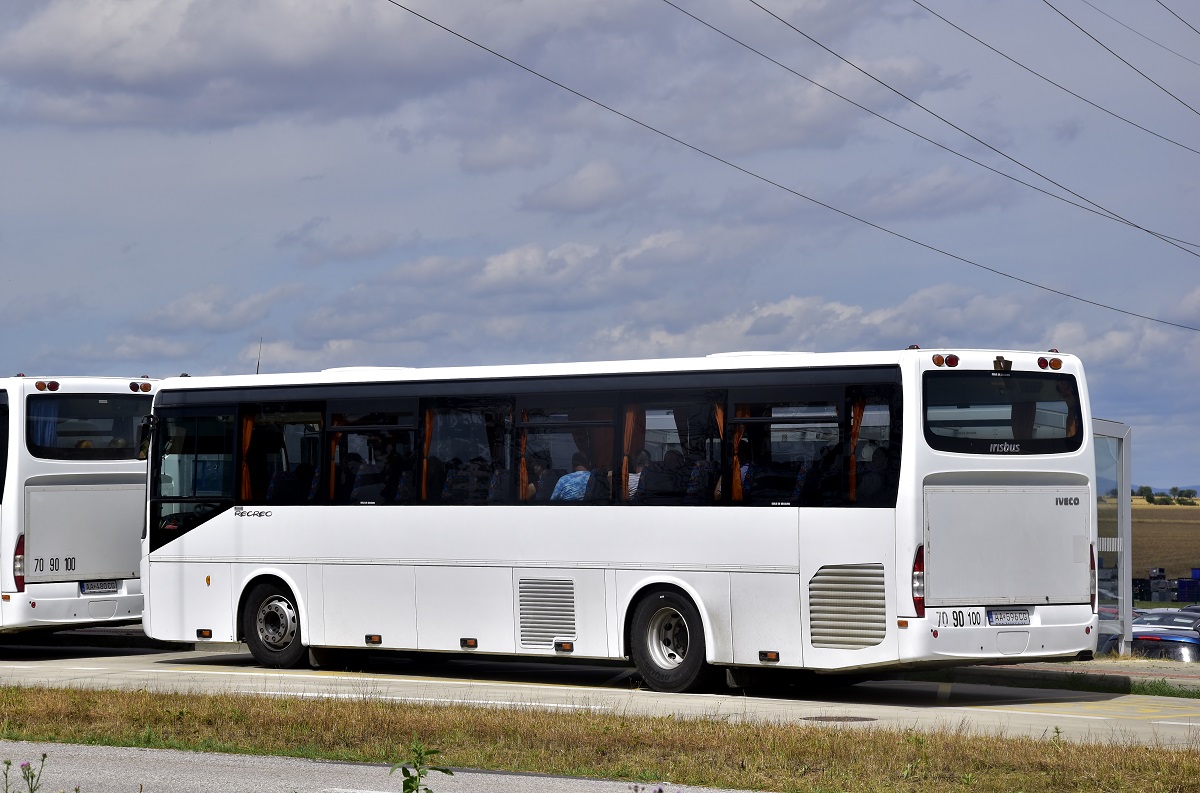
(72, 500)
(832, 512)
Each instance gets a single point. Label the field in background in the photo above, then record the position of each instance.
(1165, 536)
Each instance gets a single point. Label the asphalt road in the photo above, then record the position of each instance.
(984, 709)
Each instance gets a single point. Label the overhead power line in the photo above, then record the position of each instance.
(778, 185)
(1147, 77)
(1181, 19)
(1137, 32)
(1059, 86)
(1107, 215)
(1172, 241)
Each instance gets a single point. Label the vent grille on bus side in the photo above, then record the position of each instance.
(847, 606)
(547, 611)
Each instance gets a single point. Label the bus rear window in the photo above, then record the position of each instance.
(85, 427)
(1002, 412)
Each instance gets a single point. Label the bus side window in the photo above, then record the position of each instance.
(281, 453)
(565, 449)
(464, 450)
(787, 447)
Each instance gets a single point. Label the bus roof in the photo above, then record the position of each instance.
(77, 383)
(726, 361)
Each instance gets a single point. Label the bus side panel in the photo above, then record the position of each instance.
(456, 603)
(190, 596)
(765, 613)
(361, 599)
(84, 532)
(561, 604)
(848, 587)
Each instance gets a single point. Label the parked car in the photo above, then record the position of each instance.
(1173, 634)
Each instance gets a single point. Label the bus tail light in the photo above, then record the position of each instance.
(918, 581)
(1092, 576)
(19, 563)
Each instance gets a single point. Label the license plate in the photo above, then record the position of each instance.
(98, 587)
(957, 618)
(1009, 617)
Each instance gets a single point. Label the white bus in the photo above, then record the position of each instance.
(830, 512)
(72, 493)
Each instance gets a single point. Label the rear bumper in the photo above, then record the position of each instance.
(61, 605)
(1053, 632)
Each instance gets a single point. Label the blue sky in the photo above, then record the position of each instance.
(353, 185)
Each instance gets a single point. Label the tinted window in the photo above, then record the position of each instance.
(194, 456)
(85, 427)
(373, 452)
(1002, 412)
(281, 445)
(816, 447)
(671, 448)
(565, 450)
(465, 451)
(192, 473)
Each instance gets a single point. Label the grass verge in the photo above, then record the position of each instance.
(706, 752)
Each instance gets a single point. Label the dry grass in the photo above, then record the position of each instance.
(1165, 536)
(693, 752)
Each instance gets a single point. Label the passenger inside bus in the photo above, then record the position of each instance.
(573, 486)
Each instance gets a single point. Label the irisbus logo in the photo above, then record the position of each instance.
(242, 512)
(1005, 448)
(1070, 501)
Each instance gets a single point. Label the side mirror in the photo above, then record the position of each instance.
(145, 431)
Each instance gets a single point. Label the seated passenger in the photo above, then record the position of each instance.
(536, 463)
(635, 471)
(572, 486)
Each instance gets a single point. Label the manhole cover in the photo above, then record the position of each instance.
(841, 719)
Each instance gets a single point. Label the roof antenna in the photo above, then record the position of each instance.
(258, 363)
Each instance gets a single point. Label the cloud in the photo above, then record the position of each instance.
(942, 192)
(505, 151)
(317, 249)
(594, 186)
(194, 64)
(216, 309)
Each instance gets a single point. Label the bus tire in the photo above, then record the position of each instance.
(668, 643)
(271, 625)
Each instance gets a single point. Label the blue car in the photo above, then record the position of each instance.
(1172, 634)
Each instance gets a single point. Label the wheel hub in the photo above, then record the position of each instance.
(277, 623)
(667, 636)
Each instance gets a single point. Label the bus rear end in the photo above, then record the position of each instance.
(1003, 527)
(73, 501)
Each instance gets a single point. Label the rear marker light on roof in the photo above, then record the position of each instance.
(1050, 363)
(46, 385)
(950, 360)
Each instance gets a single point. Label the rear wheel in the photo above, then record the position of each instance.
(271, 625)
(668, 643)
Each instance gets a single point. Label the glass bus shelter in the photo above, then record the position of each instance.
(1115, 515)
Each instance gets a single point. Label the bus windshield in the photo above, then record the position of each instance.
(977, 412)
(85, 426)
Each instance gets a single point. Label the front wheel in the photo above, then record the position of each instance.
(668, 643)
(271, 626)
